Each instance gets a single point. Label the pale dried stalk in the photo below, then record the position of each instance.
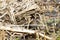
(21, 30)
(3, 15)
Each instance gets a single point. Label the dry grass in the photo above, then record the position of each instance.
(29, 19)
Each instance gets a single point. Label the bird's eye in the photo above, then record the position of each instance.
(19, 0)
